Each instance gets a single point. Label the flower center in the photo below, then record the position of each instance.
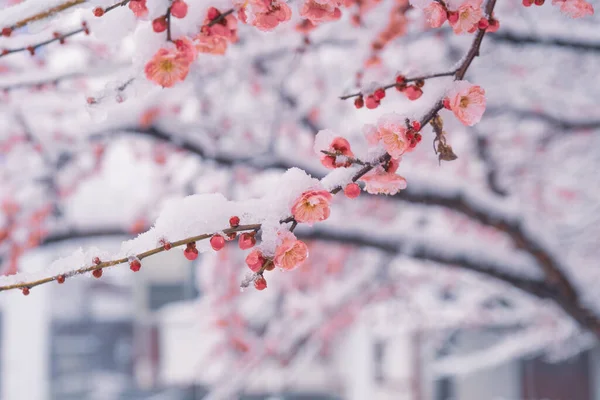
(167, 65)
(464, 101)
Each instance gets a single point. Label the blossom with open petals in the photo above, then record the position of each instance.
(380, 181)
(340, 146)
(139, 8)
(186, 48)
(320, 10)
(264, 14)
(436, 14)
(290, 253)
(466, 17)
(392, 132)
(167, 67)
(312, 206)
(574, 8)
(467, 102)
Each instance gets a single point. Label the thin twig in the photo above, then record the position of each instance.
(408, 80)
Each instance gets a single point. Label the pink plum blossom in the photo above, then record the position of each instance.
(436, 14)
(167, 67)
(312, 206)
(466, 17)
(574, 8)
(290, 253)
(467, 102)
(264, 14)
(340, 146)
(380, 181)
(392, 132)
(320, 10)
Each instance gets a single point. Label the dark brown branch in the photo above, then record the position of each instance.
(112, 263)
(408, 80)
(220, 17)
(524, 40)
(45, 14)
(560, 123)
(33, 47)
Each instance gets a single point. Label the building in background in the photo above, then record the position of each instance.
(126, 337)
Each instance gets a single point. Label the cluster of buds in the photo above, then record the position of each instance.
(373, 100)
(529, 3)
(412, 92)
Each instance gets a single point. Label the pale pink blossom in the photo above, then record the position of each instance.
(312, 206)
(186, 48)
(139, 8)
(264, 14)
(436, 14)
(340, 146)
(392, 132)
(210, 44)
(320, 10)
(380, 181)
(167, 67)
(467, 102)
(574, 8)
(466, 17)
(290, 253)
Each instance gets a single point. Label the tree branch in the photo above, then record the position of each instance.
(520, 39)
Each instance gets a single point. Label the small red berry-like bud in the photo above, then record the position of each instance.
(416, 125)
(98, 11)
(494, 25)
(270, 266)
(191, 252)
(179, 9)
(539, 2)
(58, 36)
(483, 23)
(60, 279)
(446, 102)
(418, 137)
(234, 221)
(255, 260)
(212, 13)
(452, 17)
(260, 283)
(400, 79)
(372, 102)
(159, 24)
(25, 291)
(31, 50)
(379, 93)
(217, 242)
(97, 273)
(359, 102)
(5, 52)
(6, 31)
(96, 260)
(167, 246)
(527, 3)
(352, 190)
(135, 265)
(420, 83)
(412, 92)
(246, 241)
(410, 136)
